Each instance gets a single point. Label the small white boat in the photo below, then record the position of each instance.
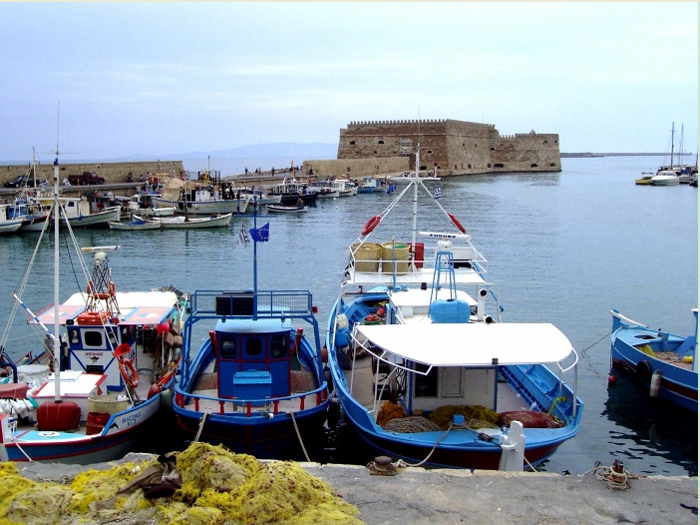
(665, 178)
(8, 224)
(136, 225)
(280, 208)
(182, 222)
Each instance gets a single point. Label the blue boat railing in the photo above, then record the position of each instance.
(182, 399)
(270, 303)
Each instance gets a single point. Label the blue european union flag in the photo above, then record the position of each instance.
(262, 234)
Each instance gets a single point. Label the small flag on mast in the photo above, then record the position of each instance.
(243, 237)
(438, 193)
(261, 234)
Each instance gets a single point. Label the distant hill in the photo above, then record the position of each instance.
(278, 149)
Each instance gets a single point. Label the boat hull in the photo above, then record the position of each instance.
(678, 384)
(275, 438)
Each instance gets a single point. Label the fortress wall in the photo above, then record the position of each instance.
(111, 171)
(456, 147)
(355, 168)
(527, 152)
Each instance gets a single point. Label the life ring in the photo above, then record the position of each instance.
(112, 289)
(129, 373)
(643, 371)
(456, 222)
(371, 224)
(90, 288)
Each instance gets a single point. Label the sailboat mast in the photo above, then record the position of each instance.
(672, 133)
(56, 311)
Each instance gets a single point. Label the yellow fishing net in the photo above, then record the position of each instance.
(218, 488)
(475, 416)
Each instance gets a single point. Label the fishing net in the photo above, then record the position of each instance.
(217, 487)
(411, 424)
(475, 416)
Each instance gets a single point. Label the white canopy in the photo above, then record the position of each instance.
(471, 344)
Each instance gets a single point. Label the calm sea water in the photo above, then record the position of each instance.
(562, 248)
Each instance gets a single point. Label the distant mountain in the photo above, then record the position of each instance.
(279, 149)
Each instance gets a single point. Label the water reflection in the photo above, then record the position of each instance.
(649, 433)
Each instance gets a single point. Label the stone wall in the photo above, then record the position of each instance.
(455, 147)
(355, 168)
(111, 171)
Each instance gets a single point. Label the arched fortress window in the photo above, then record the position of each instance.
(533, 165)
(352, 142)
(381, 142)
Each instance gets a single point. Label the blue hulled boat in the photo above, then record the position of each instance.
(663, 363)
(422, 372)
(256, 384)
(92, 392)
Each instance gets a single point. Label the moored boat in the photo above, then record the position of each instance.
(7, 223)
(136, 224)
(664, 364)
(256, 384)
(281, 208)
(183, 222)
(424, 374)
(81, 400)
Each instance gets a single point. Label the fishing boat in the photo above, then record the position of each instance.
(90, 393)
(256, 383)
(136, 224)
(201, 199)
(290, 191)
(423, 373)
(664, 364)
(645, 179)
(183, 222)
(292, 208)
(370, 185)
(324, 188)
(142, 204)
(8, 224)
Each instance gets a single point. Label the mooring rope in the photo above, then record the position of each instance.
(301, 442)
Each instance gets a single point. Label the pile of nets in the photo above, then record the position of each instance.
(216, 487)
(475, 416)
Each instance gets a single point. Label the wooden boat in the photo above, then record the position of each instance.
(86, 403)
(256, 384)
(645, 179)
(290, 191)
(139, 224)
(664, 364)
(281, 208)
(187, 223)
(8, 224)
(201, 199)
(423, 373)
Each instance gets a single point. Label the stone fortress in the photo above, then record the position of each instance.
(374, 148)
(453, 146)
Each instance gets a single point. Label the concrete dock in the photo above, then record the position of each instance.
(417, 496)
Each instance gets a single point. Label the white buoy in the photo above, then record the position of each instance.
(655, 384)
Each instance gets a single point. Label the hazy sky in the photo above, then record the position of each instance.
(162, 78)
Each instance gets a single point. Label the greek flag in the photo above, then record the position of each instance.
(243, 237)
(438, 193)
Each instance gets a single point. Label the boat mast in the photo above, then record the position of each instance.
(415, 200)
(672, 133)
(56, 309)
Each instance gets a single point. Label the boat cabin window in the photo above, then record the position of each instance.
(93, 338)
(426, 386)
(278, 346)
(228, 347)
(73, 337)
(253, 347)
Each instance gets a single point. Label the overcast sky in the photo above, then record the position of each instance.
(161, 78)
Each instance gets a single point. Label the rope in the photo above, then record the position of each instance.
(301, 442)
(583, 353)
(616, 477)
(201, 426)
(402, 463)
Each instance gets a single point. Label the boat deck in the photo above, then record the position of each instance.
(362, 388)
(210, 402)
